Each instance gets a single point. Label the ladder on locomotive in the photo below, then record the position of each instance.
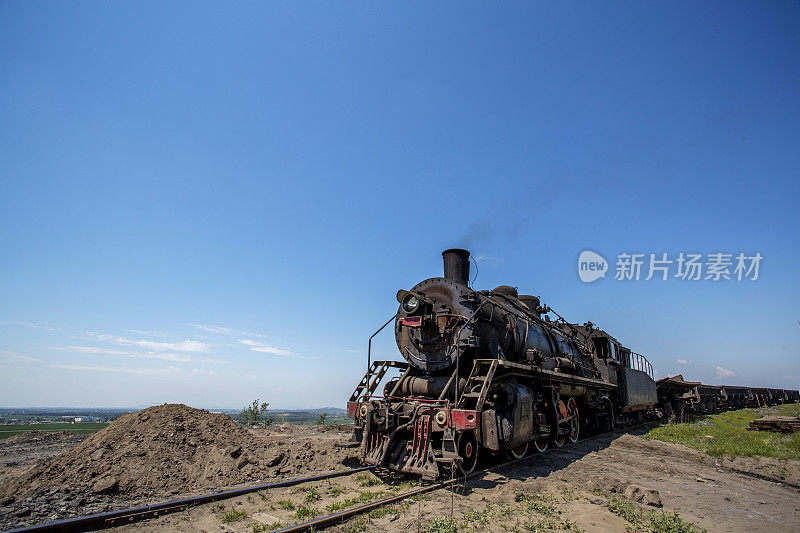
(477, 387)
(370, 380)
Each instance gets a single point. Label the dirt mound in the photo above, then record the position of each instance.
(171, 449)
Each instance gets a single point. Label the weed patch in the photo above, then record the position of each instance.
(368, 480)
(650, 521)
(441, 524)
(312, 495)
(234, 515)
(364, 497)
(286, 504)
(304, 512)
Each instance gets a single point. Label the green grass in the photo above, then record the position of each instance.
(304, 513)
(368, 480)
(542, 504)
(81, 427)
(286, 504)
(312, 495)
(234, 516)
(442, 524)
(726, 434)
(358, 524)
(650, 521)
(405, 485)
(364, 497)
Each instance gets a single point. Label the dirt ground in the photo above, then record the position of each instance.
(574, 488)
(20, 452)
(566, 489)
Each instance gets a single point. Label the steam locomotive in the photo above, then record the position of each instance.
(491, 371)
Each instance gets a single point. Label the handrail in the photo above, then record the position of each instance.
(640, 362)
(455, 344)
(369, 344)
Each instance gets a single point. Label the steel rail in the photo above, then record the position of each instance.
(347, 513)
(334, 518)
(133, 514)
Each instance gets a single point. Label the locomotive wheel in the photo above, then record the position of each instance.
(561, 412)
(540, 445)
(575, 425)
(518, 452)
(468, 451)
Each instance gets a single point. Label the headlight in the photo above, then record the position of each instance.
(410, 303)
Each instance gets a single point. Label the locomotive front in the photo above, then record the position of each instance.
(432, 326)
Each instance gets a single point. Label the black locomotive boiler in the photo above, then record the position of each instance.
(489, 371)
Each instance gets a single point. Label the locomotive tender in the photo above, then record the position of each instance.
(491, 371)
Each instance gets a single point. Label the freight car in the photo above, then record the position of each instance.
(490, 371)
(677, 396)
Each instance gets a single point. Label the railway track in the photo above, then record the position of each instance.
(126, 516)
(135, 514)
(120, 517)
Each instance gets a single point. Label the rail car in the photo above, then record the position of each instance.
(490, 371)
(679, 397)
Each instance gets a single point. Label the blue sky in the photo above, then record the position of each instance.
(208, 203)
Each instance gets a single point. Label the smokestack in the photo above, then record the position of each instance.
(456, 265)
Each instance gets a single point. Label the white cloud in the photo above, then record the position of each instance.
(724, 372)
(126, 370)
(20, 357)
(165, 356)
(210, 360)
(151, 333)
(683, 361)
(226, 331)
(138, 355)
(92, 349)
(32, 325)
(215, 329)
(183, 358)
(266, 348)
(140, 371)
(184, 346)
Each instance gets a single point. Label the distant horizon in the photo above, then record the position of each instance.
(139, 408)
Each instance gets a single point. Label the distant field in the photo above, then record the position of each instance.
(81, 427)
(726, 434)
(307, 419)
